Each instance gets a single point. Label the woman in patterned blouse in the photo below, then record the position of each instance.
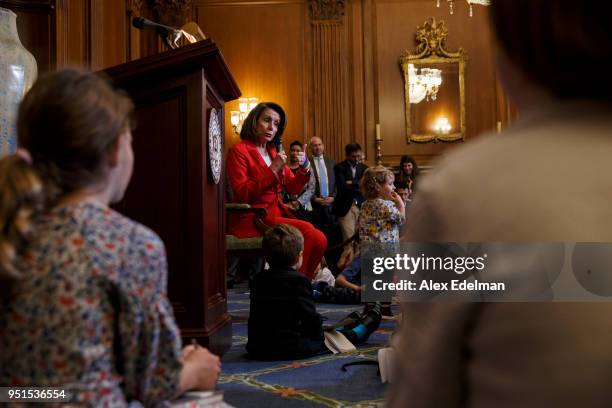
(383, 212)
(83, 301)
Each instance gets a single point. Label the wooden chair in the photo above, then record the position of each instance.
(236, 248)
(245, 246)
(240, 247)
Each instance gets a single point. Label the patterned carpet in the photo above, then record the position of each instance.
(318, 381)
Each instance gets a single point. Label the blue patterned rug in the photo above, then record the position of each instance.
(314, 382)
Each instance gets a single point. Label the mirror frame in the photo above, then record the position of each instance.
(431, 39)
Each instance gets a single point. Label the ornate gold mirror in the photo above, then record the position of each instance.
(434, 87)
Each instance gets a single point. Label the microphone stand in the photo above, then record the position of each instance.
(169, 35)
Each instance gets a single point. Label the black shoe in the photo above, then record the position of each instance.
(336, 295)
(366, 326)
(347, 323)
(386, 312)
(347, 296)
(369, 306)
(371, 320)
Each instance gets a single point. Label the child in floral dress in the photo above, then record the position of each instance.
(381, 216)
(83, 289)
(383, 212)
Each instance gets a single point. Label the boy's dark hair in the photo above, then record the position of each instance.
(282, 245)
(351, 147)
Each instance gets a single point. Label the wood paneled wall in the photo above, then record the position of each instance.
(332, 64)
(339, 76)
(93, 34)
(264, 46)
(394, 24)
(329, 108)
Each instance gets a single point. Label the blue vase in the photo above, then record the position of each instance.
(17, 74)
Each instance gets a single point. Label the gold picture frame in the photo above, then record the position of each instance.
(448, 100)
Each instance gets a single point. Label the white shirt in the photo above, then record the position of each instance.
(266, 157)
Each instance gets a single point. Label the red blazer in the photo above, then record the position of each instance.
(254, 183)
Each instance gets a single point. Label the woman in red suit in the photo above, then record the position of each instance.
(257, 173)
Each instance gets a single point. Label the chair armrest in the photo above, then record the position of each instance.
(240, 207)
(260, 213)
(237, 206)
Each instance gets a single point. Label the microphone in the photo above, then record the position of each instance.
(278, 142)
(144, 24)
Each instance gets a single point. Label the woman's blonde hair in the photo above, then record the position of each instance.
(373, 179)
(67, 125)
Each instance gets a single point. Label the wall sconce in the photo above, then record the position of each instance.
(442, 127)
(245, 105)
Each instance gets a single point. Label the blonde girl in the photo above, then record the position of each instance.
(383, 212)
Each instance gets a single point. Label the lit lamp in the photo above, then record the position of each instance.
(245, 105)
(424, 85)
(442, 127)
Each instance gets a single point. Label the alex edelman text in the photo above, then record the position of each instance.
(430, 285)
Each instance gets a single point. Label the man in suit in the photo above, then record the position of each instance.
(349, 198)
(325, 187)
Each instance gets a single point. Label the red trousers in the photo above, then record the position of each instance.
(315, 242)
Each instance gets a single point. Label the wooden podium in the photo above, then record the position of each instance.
(173, 189)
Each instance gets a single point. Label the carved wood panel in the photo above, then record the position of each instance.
(329, 75)
(264, 45)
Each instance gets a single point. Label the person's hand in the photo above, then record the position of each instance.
(397, 200)
(328, 200)
(279, 162)
(303, 158)
(187, 350)
(319, 200)
(349, 182)
(201, 369)
(293, 205)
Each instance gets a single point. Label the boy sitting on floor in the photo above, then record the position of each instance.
(329, 291)
(350, 277)
(283, 322)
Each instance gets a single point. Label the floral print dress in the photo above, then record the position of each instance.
(379, 221)
(90, 313)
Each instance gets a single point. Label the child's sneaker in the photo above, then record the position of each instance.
(348, 322)
(368, 324)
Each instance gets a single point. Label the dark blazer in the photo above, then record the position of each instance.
(331, 176)
(347, 193)
(283, 321)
